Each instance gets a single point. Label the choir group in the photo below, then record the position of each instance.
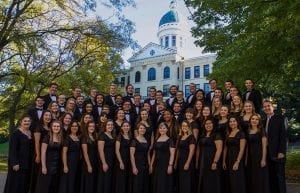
(207, 143)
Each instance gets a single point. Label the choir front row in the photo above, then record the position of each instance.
(85, 160)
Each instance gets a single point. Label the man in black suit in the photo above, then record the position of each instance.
(227, 97)
(152, 100)
(130, 115)
(277, 140)
(180, 100)
(79, 108)
(129, 96)
(92, 97)
(189, 99)
(110, 99)
(61, 102)
(210, 95)
(173, 90)
(252, 95)
(51, 96)
(36, 112)
(177, 112)
(137, 105)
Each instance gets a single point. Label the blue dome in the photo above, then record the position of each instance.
(170, 17)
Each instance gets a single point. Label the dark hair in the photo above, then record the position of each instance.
(205, 121)
(39, 97)
(69, 128)
(86, 132)
(229, 80)
(128, 86)
(23, 117)
(160, 125)
(237, 120)
(213, 79)
(42, 117)
(53, 84)
(129, 132)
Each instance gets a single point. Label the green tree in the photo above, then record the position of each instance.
(62, 41)
(258, 39)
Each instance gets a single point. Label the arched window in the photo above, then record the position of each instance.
(151, 74)
(138, 76)
(166, 72)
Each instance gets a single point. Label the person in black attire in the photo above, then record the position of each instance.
(19, 158)
(79, 108)
(180, 100)
(177, 111)
(189, 116)
(252, 95)
(277, 141)
(140, 159)
(123, 159)
(184, 159)
(257, 170)
(36, 112)
(190, 99)
(161, 106)
(130, 115)
(173, 90)
(199, 96)
(118, 105)
(76, 92)
(40, 132)
(227, 97)
(90, 161)
(71, 160)
(110, 99)
(233, 157)
(137, 105)
(88, 108)
(99, 106)
(159, 96)
(210, 146)
(51, 96)
(106, 150)
(162, 161)
(129, 97)
(47, 181)
(61, 100)
(92, 97)
(210, 95)
(151, 100)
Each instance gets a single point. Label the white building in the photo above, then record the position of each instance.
(162, 65)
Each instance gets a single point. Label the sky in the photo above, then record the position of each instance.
(146, 17)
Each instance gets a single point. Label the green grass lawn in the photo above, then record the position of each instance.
(293, 159)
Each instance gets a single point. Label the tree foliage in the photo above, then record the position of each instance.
(258, 39)
(64, 41)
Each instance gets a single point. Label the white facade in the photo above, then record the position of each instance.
(168, 54)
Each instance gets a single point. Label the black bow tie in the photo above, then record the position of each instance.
(152, 98)
(39, 109)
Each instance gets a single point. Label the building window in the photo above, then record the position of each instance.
(137, 91)
(178, 73)
(173, 41)
(206, 87)
(161, 41)
(167, 41)
(206, 70)
(196, 71)
(166, 72)
(186, 90)
(151, 74)
(123, 82)
(197, 86)
(166, 90)
(187, 72)
(138, 76)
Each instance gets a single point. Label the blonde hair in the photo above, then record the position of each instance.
(59, 135)
(253, 108)
(240, 107)
(190, 132)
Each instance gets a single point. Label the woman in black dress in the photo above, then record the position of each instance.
(65, 119)
(90, 161)
(19, 158)
(162, 161)
(145, 120)
(120, 117)
(102, 120)
(205, 114)
(198, 108)
(140, 159)
(184, 159)
(221, 127)
(40, 132)
(211, 146)
(189, 115)
(236, 106)
(257, 171)
(89, 109)
(169, 120)
(85, 119)
(248, 111)
(47, 181)
(106, 150)
(233, 157)
(216, 106)
(71, 160)
(123, 158)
